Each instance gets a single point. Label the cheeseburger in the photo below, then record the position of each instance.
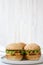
(33, 51)
(15, 51)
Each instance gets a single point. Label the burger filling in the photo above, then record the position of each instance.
(15, 52)
(22, 52)
(33, 52)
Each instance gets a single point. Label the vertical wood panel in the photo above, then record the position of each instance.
(21, 20)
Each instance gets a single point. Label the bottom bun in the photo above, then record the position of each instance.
(19, 57)
(32, 57)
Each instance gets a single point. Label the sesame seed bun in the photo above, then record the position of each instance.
(18, 57)
(32, 55)
(32, 46)
(15, 46)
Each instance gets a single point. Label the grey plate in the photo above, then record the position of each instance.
(4, 60)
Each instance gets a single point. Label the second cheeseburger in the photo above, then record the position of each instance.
(33, 51)
(15, 51)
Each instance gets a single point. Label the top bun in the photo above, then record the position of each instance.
(32, 46)
(15, 46)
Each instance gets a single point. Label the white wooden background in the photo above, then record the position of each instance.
(21, 20)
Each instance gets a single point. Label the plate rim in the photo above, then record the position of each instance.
(20, 62)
